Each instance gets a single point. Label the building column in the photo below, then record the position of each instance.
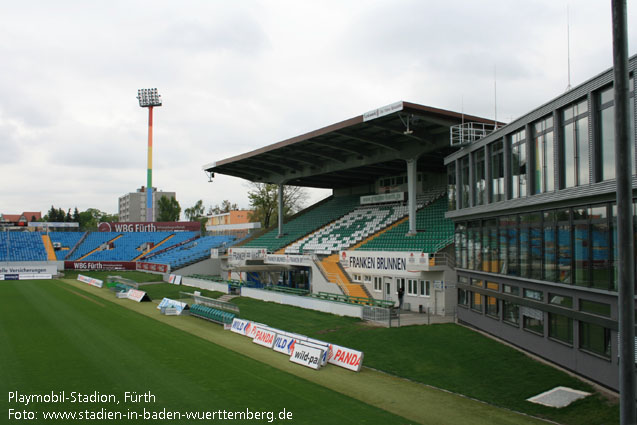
(280, 206)
(411, 194)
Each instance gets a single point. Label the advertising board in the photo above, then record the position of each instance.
(156, 226)
(306, 355)
(91, 281)
(264, 337)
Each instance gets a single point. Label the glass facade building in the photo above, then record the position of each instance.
(535, 218)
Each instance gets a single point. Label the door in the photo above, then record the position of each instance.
(387, 292)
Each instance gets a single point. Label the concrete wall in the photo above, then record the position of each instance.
(211, 266)
(319, 284)
(332, 307)
(594, 367)
(204, 284)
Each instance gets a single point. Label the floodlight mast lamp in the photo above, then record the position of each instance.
(149, 98)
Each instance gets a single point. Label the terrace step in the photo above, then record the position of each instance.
(227, 297)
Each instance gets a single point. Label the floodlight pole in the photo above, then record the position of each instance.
(625, 248)
(149, 171)
(149, 98)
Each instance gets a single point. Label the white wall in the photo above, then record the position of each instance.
(325, 306)
(210, 266)
(204, 284)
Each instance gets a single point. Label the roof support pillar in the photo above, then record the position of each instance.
(280, 212)
(411, 194)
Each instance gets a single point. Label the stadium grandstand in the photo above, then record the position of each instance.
(383, 228)
(176, 249)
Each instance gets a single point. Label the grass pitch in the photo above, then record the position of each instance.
(73, 337)
(58, 338)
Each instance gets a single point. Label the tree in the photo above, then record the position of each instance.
(76, 215)
(169, 209)
(226, 206)
(264, 200)
(89, 219)
(195, 212)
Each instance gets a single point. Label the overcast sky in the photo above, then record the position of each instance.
(238, 75)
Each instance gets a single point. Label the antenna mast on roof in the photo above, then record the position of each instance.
(495, 98)
(568, 48)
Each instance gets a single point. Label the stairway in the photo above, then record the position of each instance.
(226, 298)
(336, 275)
(98, 248)
(50, 251)
(153, 248)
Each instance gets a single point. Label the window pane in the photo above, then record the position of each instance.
(564, 246)
(463, 298)
(502, 242)
(549, 162)
(510, 312)
(464, 175)
(582, 151)
(493, 286)
(497, 171)
(492, 306)
(533, 320)
(512, 236)
(607, 132)
(550, 266)
(535, 248)
(600, 238)
(582, 255)
(476, 301)
(561, 327)
(568, 166)
(524, 245)
(451, 186)
(534, 295)
(512, 290)
(594, 338)
(480, 178)
(494, 247)
(561, 300)
(595, 307)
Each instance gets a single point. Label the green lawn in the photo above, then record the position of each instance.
(59, 338)
(446, 356)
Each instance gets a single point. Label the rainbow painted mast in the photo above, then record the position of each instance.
(148, 98)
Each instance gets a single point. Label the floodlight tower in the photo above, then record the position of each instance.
(148, 98)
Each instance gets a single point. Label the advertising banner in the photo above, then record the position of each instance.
(383, 262)
(45, 269)
(264, 337)
(91, 281)
(382, 111)
(152, 267)
(345, 357)
(239, 256)
(137, 295)
(99, 265)
(383, 197)
(307, 356)
(168, 303)
(175, 279)
(157, 226)
(291, 260)
(284, 343)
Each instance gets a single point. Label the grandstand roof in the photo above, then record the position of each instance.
(355, 151)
